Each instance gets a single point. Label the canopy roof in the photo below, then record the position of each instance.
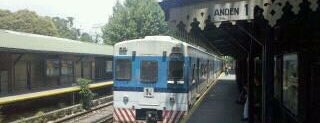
(26, 42)
(192, 17)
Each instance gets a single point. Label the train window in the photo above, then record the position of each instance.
(149, 71)
(193, 80)
(202, 70)
(123, 69)
(175, 70)
(290, 82)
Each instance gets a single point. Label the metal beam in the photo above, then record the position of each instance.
(234, 40)
(267, 78)
(18, 59)
(206, 40)
(250, 73)
(250, 35)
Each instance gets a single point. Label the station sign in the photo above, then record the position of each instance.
(231, 11)
(216, 11)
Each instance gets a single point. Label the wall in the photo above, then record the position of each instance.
(40, 71)
(5, 72)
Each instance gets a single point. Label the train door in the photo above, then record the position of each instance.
(314, 93)
(214, 67)
(192, 81)
(149, 70)
(212, 70)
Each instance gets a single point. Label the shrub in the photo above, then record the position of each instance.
(85, 93)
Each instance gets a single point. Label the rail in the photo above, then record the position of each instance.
(78, 116)
(70, 111)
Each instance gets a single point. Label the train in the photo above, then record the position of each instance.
(159, 78)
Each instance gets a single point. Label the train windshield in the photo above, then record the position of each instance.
(175, 70)
(149, 71)
(123, 69)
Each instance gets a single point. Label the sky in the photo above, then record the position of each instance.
(89, 15)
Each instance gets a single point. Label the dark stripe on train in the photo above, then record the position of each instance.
(140, 89)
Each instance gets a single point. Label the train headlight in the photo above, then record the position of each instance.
(180, 82)
(171, 82)
(125, 99)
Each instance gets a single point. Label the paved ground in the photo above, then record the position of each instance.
(219, 104)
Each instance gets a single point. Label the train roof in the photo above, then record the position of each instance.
(168, 39)
(153, 38)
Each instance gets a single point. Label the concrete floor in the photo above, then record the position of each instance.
(219, 106)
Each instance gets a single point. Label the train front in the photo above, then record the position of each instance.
(149, 82)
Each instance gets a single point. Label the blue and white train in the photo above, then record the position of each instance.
(159, 78)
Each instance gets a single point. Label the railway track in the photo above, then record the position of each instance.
(98, 114)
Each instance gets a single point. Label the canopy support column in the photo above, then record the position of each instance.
(267, 77)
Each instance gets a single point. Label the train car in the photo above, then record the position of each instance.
(158, 78)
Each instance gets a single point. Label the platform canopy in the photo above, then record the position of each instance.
(12, 41)
(233, 26)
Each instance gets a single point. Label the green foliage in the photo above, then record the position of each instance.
(86, 37)
(65, 28)
(85, 93)
(134, 19)
(27, 21)
(4, 13)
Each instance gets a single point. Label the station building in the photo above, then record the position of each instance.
(32, 63)
(273, 41)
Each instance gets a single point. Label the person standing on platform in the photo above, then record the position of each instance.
(246, 105)
(226, 71)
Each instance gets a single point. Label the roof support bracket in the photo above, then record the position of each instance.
(250, 35)
(17, 59)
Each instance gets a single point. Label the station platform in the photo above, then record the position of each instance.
(218, 105)
(48, 93)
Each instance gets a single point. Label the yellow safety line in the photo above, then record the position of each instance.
(196, 104)
(40, 94)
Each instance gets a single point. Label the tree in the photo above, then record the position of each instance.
(70, 19)
(30, 22)
(27, 21)
(4, 13)
(86, 94)
(86, 37)
(134, 19)
(65, 28)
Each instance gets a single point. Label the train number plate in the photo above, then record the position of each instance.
(148, 92)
